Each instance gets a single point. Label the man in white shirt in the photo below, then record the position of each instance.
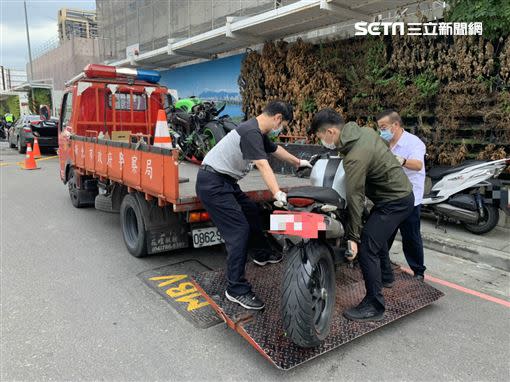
(410, 152)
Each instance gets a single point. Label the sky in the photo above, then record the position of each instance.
(42, 21)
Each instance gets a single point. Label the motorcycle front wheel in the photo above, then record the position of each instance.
(308, 294)
(487, 223)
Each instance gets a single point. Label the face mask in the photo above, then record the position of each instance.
(386, 134)
(327, 145)
(275, 133)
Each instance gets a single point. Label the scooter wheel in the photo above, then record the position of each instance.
(486, 224)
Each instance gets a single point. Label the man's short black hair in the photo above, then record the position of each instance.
(323, 118)
(280, 107)
(394, 116)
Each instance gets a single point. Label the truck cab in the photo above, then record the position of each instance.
(105, 101)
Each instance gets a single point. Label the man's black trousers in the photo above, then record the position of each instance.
(380, 226)
(412, 245)
(238, 220)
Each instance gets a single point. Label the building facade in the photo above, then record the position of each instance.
(10, 78)
(150, 23)
(76, 23)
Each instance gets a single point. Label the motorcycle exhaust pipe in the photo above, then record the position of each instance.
(334, 228)
(452, 212)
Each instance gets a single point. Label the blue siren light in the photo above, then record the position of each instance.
(148, 75)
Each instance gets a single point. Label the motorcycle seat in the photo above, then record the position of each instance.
(228, 125)
(319, 194)
(438, 172)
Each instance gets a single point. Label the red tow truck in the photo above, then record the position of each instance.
(107, 123)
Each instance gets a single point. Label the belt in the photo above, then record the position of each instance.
(210, 169)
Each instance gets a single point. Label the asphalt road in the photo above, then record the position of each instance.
(73, 308)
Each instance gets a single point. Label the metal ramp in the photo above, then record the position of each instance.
(264, 331)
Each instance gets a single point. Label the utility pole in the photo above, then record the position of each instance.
(29, 55)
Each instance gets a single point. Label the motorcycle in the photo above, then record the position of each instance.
(196, 128)
(4, 129)
(312, 227)
(457, 194)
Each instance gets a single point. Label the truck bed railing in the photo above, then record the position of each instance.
(142, 167)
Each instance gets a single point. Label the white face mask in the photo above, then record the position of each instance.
(330, 146)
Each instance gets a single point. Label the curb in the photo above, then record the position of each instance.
(474, 253)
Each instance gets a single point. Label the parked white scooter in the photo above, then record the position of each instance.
(458, 194)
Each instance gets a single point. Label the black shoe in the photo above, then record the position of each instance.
(365, 311)
(388, 284)
(247, 301)
(272, 258)
(419, 277)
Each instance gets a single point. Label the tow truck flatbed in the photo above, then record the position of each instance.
(253, 185)
(264, 329)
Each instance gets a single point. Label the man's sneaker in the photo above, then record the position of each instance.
(247, 301)
(365, 311)
(273, 258)
(388, 284)
(419, 277)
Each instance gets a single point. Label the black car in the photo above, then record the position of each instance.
(28, 126)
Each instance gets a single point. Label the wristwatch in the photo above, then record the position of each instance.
(404, 163)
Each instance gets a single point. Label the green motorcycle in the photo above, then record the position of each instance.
(196, 127)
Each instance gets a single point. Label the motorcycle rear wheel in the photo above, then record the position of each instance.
(487, 224)
(214, 134)
(308, 294)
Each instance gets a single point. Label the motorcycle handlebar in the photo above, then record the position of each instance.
(313, 159)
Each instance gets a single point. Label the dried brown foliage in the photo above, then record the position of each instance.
(456, 91)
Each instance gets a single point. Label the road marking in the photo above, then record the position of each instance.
(183, 292)
(21, 163)
(46, 158)
(462, 289)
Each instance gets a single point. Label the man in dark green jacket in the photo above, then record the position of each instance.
(373, 171)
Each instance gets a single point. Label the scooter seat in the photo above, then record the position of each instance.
(319, 194)
(438, 172)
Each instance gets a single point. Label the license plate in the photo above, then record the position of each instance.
(203, 237)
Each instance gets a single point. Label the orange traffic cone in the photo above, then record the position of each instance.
(37, 151)
(30, 163)
(162, 135)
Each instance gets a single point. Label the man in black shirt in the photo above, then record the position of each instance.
(235, 215)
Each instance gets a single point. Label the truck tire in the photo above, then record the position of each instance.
(79, 197)
(133, 227)
(308, 297)
(486, 225)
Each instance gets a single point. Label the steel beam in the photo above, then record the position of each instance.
(341, 10)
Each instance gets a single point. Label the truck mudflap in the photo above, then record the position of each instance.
(264, 329)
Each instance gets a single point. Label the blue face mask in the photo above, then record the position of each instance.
(275, 133)
(386, 134)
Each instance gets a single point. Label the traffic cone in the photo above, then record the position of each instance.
(30, 163)
(162, 135)
(37, 151)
